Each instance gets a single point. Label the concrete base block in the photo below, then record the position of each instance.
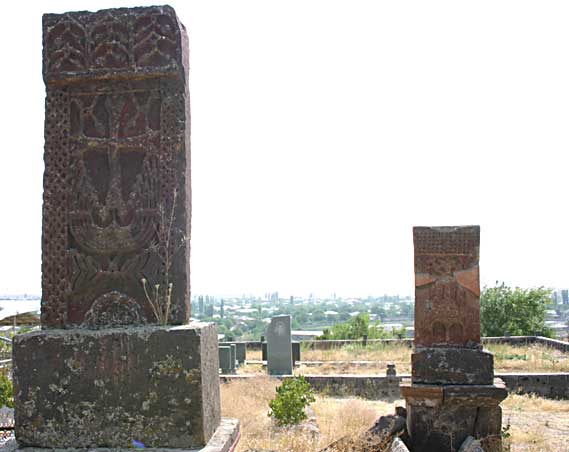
(225, 439)
(442, 417)
(459, 366)
(107, 388)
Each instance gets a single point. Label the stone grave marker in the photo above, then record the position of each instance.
(225, 360)
(241, 350)
(279, 349)
(295, 352)
(452, 393)
(233, 355)
(116, 359)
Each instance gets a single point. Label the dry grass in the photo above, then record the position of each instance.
(530, 358)
(248, 401)
(536, 424)
(507, 358)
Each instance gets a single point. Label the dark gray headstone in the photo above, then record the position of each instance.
(225, 359)
(295, 353)
(241, 349)
(233, 356)
(279, 349)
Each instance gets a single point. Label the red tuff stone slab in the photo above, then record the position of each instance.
(447, 287)
(117, 204)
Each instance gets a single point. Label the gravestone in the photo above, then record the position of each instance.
(116, 359)
(225, 360)
(295, 352)
(233, 355)
(279, 349)
(241, 350)
(452, 393)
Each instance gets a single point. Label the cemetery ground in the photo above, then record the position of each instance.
(536, 424)
(374, 358)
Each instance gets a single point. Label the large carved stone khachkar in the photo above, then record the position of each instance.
(452, 393)
(117, 360)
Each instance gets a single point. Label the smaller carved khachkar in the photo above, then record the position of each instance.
(447, 288)
(117, 169)
(452, 393)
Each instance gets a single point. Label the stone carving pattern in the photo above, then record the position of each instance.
(97, 137)
(54, 254)
(447, 313)
(115, 40)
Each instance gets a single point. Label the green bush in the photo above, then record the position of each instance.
(519, 312)
(6, 390)
(293, 396)
(356, 328)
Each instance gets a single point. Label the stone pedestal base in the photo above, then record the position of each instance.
(452, 365)
(225, 439)
(110, 388)
(440, 418)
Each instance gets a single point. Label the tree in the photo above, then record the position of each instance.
(519, 312)
(355, 328)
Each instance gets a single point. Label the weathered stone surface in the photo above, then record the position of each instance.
(117, 197)
(452, 366)
(224, 439)
(104, 388)
(471, 445)
(398, 446)
(279, 349)
(442, 417)
(447, 288)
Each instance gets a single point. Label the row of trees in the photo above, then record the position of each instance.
(358, 327)
(503, 310)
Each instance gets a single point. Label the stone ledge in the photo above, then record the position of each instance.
(432, 395)
(225, 439)
(450, 365)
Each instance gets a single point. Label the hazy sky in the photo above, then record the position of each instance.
(322, 131)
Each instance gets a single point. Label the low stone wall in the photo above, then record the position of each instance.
(364, 386)
(375, 387)
(510, 340)
(553, 385)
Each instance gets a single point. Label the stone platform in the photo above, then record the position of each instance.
(452, 365)
(225, 439)
(105, 388)
(441, 417)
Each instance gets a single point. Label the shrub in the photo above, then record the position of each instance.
(356, 328)
(293, 396)
(6, 390)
